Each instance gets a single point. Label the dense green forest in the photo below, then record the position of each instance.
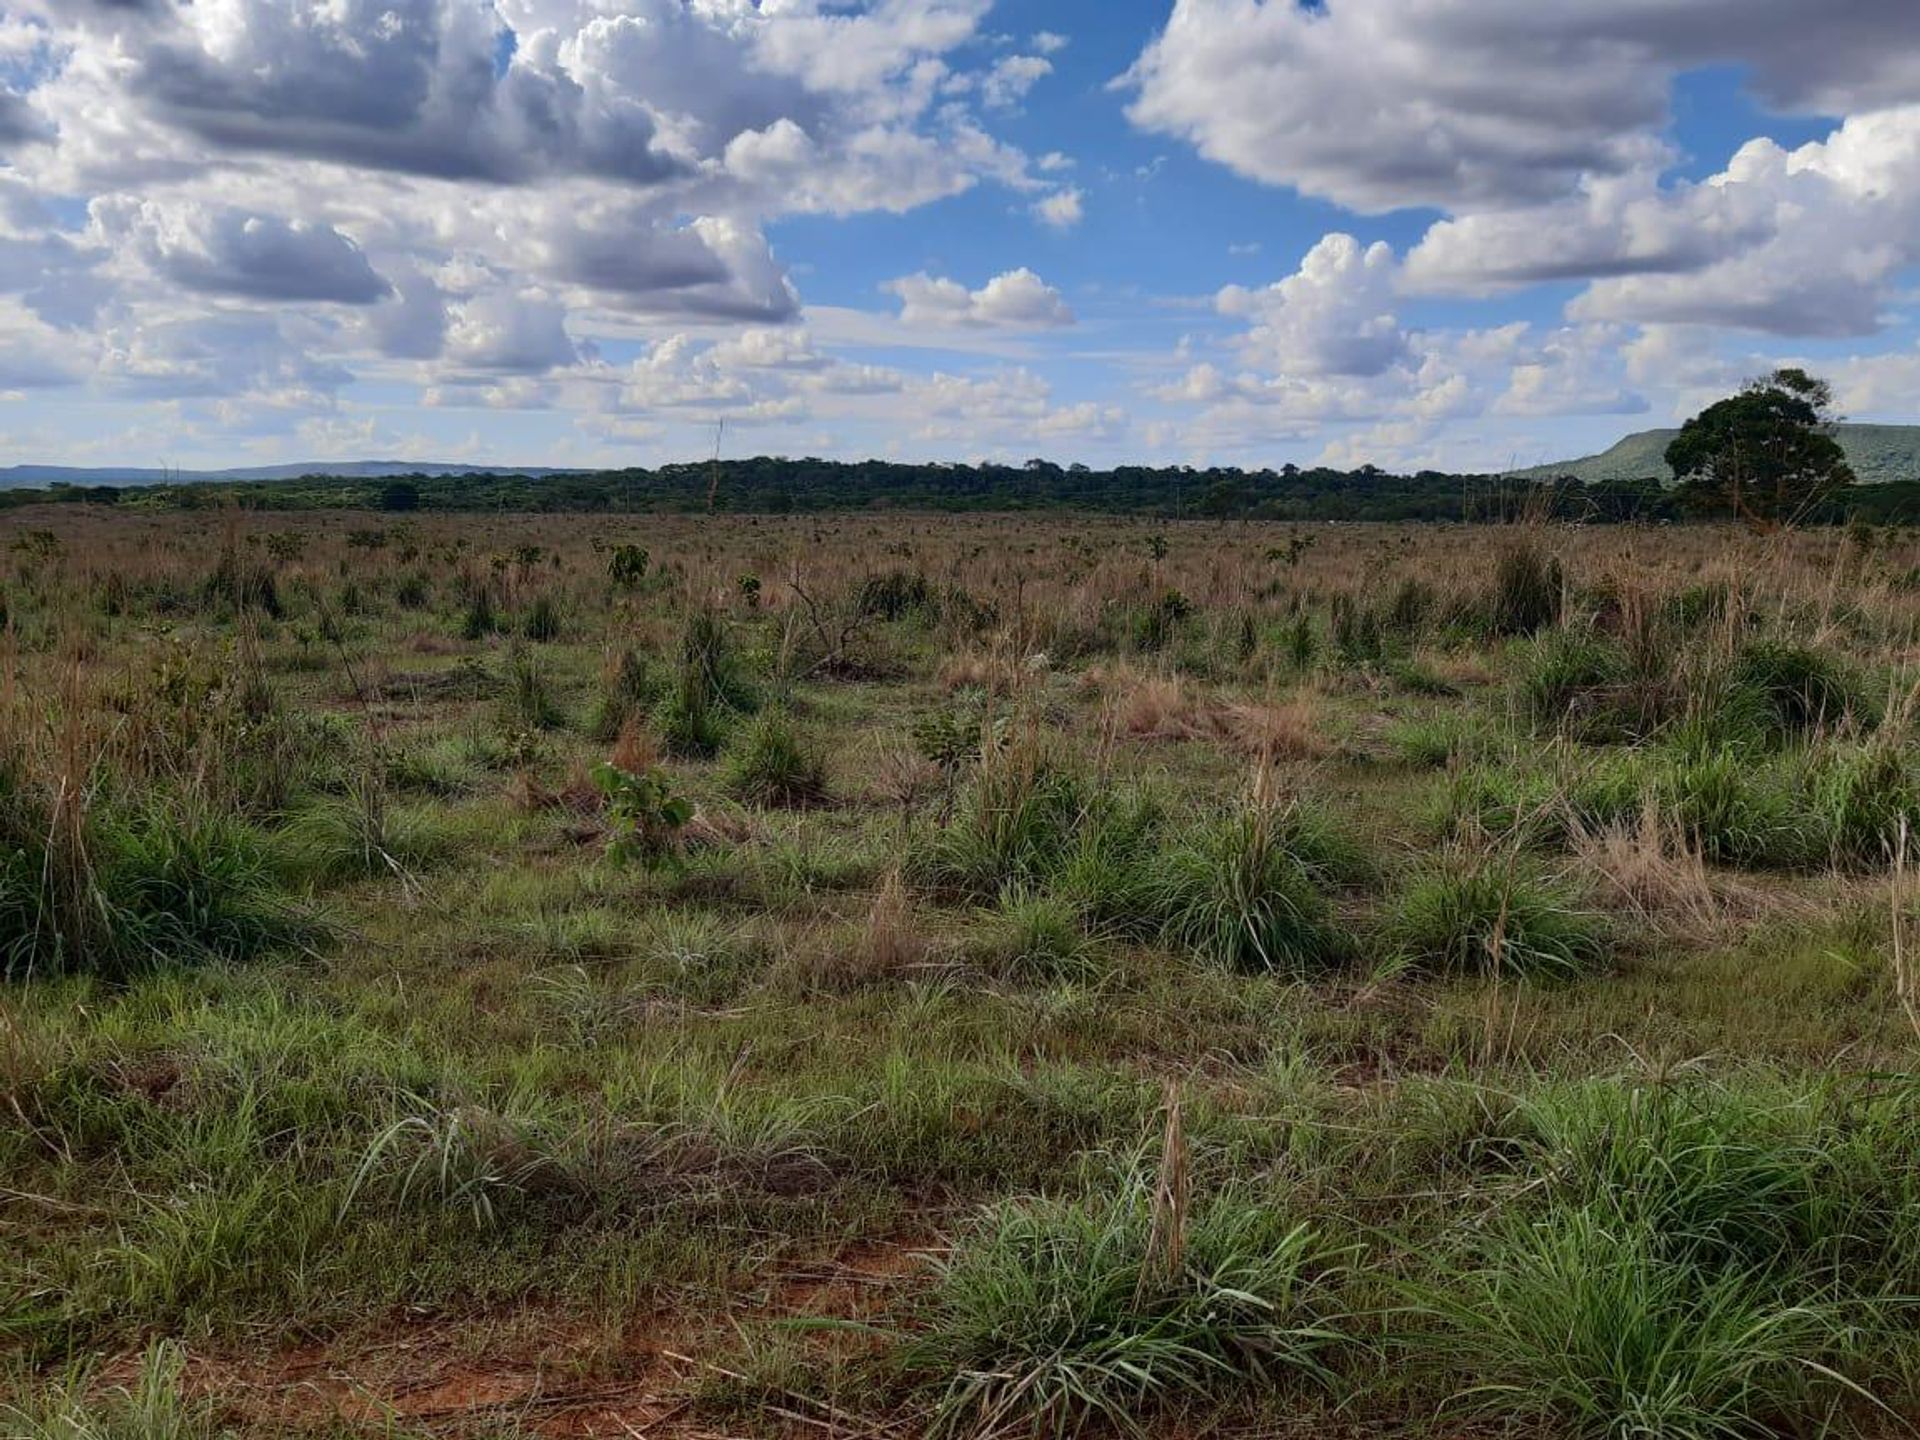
(776, 486)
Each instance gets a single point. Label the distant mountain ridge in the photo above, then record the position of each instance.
(40, 476)
(1878, 453)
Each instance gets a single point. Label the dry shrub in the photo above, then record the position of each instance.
(717, 830)
(892, 942)
(890, 945)
(527, 791)
(1286, 731)
(1162, 707)
(997, 672)
(1648, 868)
(635, 750)
(1462, 670)
(901, 776)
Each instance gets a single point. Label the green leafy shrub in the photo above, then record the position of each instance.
(645, 814)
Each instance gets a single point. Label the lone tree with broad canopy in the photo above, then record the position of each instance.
(1767, 454)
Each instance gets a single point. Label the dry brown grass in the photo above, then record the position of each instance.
(1168, 707)
(890, 944)
(1649, 870)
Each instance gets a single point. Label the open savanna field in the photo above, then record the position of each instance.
(511, 976)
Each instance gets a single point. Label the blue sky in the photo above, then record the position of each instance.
(1462, 233)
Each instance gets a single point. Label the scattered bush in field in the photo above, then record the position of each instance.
(1483, 915)
(1245, 891)
(645, 814)
(627, 565)
(952, 739)
(1058, 1317)
(1527, 591)
(773, 764)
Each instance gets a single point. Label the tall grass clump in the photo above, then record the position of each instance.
(154, 1407)
(362, 835)
(1014, 824)
(1107, 874)
(708, 686)
(1794, 689)
(1059, 1316)
(1485, 915)
(1527, 591)
(628, 689)
(1245, 890)
(1036, 936)
(529, 703)
(113, 886)
(1861, 799)
(1696, 1259)
(772, 763)
(1582, 683)
(1583, 1326)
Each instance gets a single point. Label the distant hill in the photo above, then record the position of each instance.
(41, 476)
(1878, 453)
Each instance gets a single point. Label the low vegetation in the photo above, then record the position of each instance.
(510, 975)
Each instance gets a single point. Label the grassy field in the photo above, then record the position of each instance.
(506, 976)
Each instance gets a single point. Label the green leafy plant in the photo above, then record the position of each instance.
(647, 817)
